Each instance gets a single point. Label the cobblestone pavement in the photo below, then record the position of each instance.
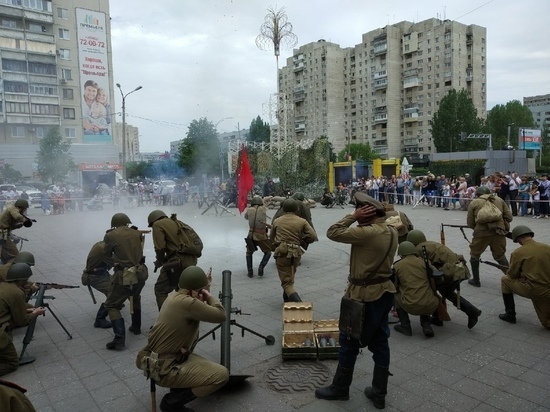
(494, 367)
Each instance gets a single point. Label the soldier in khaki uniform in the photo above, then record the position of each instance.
(527, 276)
(168, 357)
(13, 399)
(14, 313)
(454, 271)
(256, 215)
(96, 274)
(405, 224)
(373, 245)
(22, 257)
(303, 209)
(414, 292)
(485, 235)
(12, 218)
(168, 241)
(125, 246)
(288, 234)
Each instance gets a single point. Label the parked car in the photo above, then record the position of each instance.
(33, 192)
(170, 184)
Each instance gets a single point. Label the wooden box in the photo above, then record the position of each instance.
(298, 331)
(326, 338)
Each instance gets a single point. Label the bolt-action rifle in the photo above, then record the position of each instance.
(496, 265)
(39, 302)
(433, 278)
(461, 227)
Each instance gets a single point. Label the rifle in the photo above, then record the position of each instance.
(496, 265)
(56, 286)
(173, 264)
(30, 328)
(432, 278)
(461, 227)
(92, 294)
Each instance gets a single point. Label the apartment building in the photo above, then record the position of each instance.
(540, 107)
(384, 90)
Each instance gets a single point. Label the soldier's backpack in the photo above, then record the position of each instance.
(191, 241)
(489, 212)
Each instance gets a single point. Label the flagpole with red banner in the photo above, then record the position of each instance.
(245, 181)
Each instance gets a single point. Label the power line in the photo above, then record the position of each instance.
(471, 11)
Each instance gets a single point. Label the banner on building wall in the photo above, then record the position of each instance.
(529, 139)
(94, 76)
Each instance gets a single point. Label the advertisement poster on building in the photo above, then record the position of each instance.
(94, 76)
(529, 139)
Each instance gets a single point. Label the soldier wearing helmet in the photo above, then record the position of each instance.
(256, 215)
(487, 234)
(169, 242)
(289, 233)
(303, 209)
(13, 313)
(12, 218)
(124, 245)
(21, 257)
(171, 342)
(527, 276)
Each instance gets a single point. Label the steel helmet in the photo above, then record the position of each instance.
(299, 196)
(22, 203)
(482, 190)
(154, 216)
(416, 237)
(520, 231)
(120, 219)
(24, 257)
(256, 201)
(406, 248)
(193, 278)
(18, 271)
(290, 205)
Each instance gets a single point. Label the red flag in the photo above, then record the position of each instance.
(245, 181)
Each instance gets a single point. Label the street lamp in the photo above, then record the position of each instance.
(221, 151)
(508, 139)
(124, 126)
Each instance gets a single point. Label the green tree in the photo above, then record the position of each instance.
(9, 175)
(53, 158)
(135, 170)
(513, 114)
(456, 114)
(259, 131)
(358, 151)
(200, 151)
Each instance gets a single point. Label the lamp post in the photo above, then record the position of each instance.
(124, 126)
(508, 138)
(221, 151)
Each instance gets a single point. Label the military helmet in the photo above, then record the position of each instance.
(406, 248)
(18, 271)
(482, 190)
(520, 231)
(256, 201)
(299, 196)
(193, 278)
(154, 216)
(24, 257)
(290, 205)
(22, 203)
(416, 236)
(120, 219)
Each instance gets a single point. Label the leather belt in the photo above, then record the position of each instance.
(367, 282)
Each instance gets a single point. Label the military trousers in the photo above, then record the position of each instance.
(286, 267)
(168, 280)
(9, 360)
(264, 245)
(497, 244)
(118, 294)
(101, 283)
(8, 250)
(539, 295)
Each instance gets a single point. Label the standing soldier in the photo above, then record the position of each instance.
(373, 245)
(12, 218)
(527, 276)
(303, 210)
(125, 246)
(177, 246)
(257, 234)
(490, 234)
(14, 313)
(289, 233)
(96, 275)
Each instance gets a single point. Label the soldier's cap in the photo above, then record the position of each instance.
(362, 199)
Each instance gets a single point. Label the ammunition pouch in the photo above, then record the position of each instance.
(5, 337)
(157, 365)
(288, 250)
(250, 245)
(352, 315)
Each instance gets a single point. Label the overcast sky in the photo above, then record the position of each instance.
(198, 58)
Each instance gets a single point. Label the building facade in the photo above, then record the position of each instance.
(384, 90)
(540, 107)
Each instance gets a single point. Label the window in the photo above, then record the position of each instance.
(37, 28)
(17, 131)
(66, 74)
(64, 34)
(45, 109)
(70, 132)
(14, 65)
(45, 89)
(40, 132)
(64, 54)
(12, 24)
(15, 87)
(42, 68)
(63, 13)
(13, 107)
(42, 5)
(68, 113)
(68, 94)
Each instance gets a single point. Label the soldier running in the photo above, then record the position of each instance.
(256, 215)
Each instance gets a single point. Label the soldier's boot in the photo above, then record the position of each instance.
(426, 326)
(474, 281)
(338, 390)
(294, 297)
(503, 262)
(249, 266)
(434, 319)
(135, 327)
(100, 318)
(264, 261)
(285, 297)
(405, 323)
(509, 307)
(175, 400)
(470, 310)
(377, 392)
(120, 335)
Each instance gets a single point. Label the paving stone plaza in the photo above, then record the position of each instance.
(495, 366)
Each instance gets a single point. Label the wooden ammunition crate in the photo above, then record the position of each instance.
(327, 329)
(298, 331)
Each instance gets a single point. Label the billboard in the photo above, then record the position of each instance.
(94, 76)
(529, 139)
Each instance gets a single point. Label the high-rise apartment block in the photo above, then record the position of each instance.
(540, 108)
(385, 90)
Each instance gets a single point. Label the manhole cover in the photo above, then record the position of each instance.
(297, 377)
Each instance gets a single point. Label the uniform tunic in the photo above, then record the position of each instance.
(13, 399)
(97, 268)
(528, 276)
(257, 228)
(10, 219)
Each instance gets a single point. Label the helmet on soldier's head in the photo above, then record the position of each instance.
(120, 219)
(154, 216)
(388, 207)
(482, 190)
(24, 257)
(416, 237)
(22, 203)
(406, 248)
(520, 231)
(18, 271)
(299, 196)
(290, 205)
(193, 278)
(256, 201)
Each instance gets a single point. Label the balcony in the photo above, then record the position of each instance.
(380, 109)
(299, 127)
(299, 94)
(411, 82)
(380, 74)
(298, 66)
(410, 142)
(380, 118)
(298, 57)
(380, 143)
(469, 76)
(381, 151)
(380, 48)
(410, 72)
(410, 108)
(410, 117)
(380, 84)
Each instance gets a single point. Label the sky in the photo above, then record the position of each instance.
(198, 58)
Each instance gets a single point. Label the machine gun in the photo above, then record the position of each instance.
(496, 265)
(461, 227)
(434, 277)
(56, 286)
